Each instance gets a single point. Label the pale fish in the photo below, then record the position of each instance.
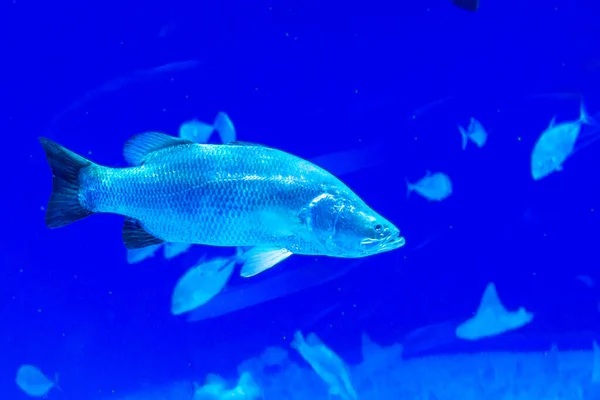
(435, 187)
(556, 144)
(33, 382)
(492, 318)
(172, 250)
(135, 256)
(475, 133)
(327, 364)
(200, 132)
(202, 282)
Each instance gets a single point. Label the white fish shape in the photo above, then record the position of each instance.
(556, 144)
(475, 133)
(172, 250)
(202, 282)
(200, 132)
(434, 187)
(33, 382)
(138, 255)
(492, 318)
(328, 365)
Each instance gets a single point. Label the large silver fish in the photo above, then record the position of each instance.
(237, 194)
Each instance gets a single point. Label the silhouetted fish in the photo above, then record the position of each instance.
(470, 5)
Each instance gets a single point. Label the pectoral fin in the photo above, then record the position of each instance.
(261, 258)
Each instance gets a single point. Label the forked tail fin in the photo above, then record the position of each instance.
(64, 206)
(464, 135)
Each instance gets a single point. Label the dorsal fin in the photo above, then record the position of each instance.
(138, 147)
(490, 301)
(242, 143)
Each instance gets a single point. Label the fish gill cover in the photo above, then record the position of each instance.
(470, 127)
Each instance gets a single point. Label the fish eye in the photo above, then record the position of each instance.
(378, 228)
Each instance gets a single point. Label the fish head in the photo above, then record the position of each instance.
(349, 228)
(553, 148)
(544, 164)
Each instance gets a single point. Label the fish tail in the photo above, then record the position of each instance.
(64, 206)
(584, 117)
(464, 136)
(298, 340)
(409, 187)
(224, 127)
(56, 384)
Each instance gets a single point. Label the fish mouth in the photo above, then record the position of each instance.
(393, 242)
(388, 243)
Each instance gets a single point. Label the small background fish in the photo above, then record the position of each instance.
(433, 186)
(33, 382)
(469, 5)
(474, 133)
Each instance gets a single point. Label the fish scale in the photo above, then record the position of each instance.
(219, 188)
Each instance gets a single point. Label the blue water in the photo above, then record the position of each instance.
(309, 78)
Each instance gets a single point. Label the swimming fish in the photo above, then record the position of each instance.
(475, 133)
(469, 5)
(434, 187)
(327, 364)
(556, 144)
(135, 256)
(200, 132)
(492, 318)
(236, 194)
(201, 283)
(33, 382)
(172, 250)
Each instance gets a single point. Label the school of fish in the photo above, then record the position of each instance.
(180, 191)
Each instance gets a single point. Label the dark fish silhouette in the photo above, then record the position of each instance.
(470, 5)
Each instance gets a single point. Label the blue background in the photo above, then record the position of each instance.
(310, 78)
